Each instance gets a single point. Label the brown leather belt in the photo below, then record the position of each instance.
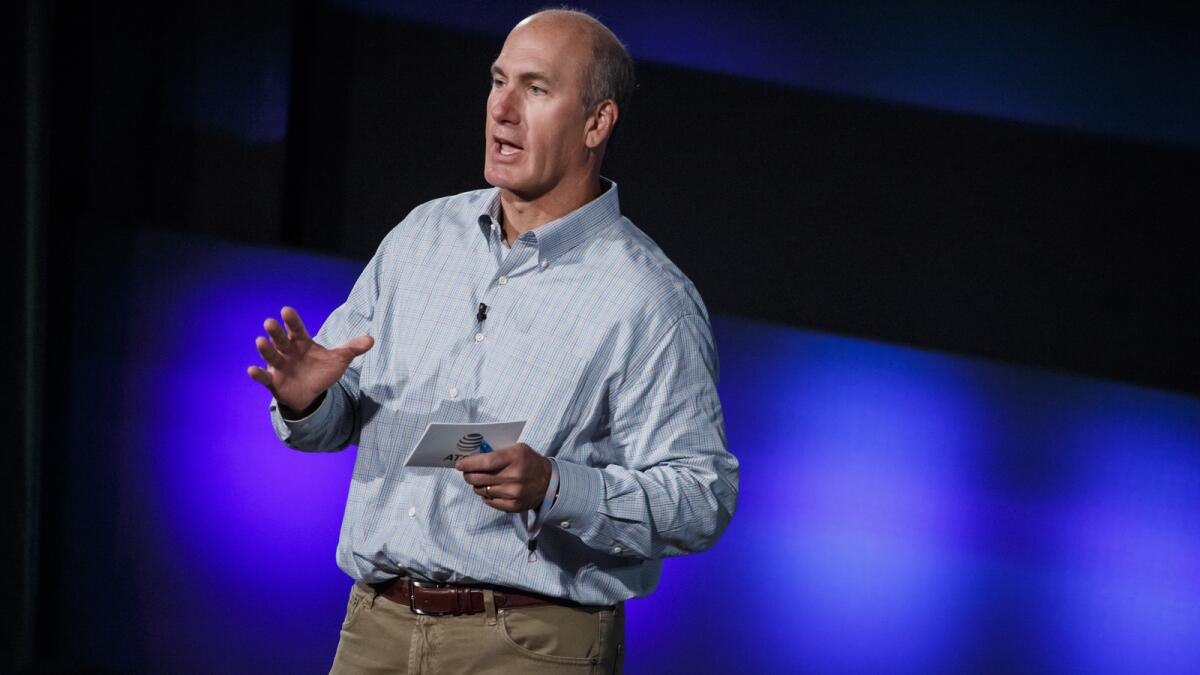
(447, 599)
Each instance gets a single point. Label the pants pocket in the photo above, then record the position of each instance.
(561, 635)
(358, 598)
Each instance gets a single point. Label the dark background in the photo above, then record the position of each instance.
(318, 126)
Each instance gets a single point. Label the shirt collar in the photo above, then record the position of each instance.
(563, 234)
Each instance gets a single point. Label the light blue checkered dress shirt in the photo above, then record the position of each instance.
(593, 336)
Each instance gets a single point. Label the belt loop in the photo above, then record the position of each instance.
(375, 592)
(489, 606)
(462, 601)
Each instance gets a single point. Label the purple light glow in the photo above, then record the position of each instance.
(856, 499)
(899, 510)
(1129, 548)
(231, 507)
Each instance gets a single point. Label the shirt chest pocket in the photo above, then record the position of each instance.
(542, 382)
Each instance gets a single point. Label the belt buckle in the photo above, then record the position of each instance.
(413, 585)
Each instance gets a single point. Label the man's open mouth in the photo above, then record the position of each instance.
(507, 148)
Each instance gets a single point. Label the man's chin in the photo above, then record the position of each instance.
(498, 178)
(502, 180)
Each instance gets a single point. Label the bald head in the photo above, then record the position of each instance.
(609, 73)
(558, 85)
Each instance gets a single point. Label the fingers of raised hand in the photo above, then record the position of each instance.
(280, 339)
(261, 376)
(295, 326)
(268, 352)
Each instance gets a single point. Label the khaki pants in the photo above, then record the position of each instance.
(382, 636)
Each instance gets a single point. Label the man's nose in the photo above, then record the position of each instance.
(504, 108)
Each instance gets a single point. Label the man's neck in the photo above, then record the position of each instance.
(519, 215)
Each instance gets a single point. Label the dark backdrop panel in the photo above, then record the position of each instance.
(393, 117)
(931, 229)
(184, 114)
(17, 369)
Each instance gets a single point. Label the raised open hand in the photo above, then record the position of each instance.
(298, 369)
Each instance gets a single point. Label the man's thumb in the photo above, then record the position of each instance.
(359, 345)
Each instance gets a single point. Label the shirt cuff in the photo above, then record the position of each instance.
(552, 490)
(580, 491)
(285, 428)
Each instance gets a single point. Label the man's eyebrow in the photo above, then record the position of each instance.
(524, 77)
(535, 75)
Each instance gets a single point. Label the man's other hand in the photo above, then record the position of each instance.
(512, 479)
(298, 369)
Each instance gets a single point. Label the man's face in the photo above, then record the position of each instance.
(535, 116)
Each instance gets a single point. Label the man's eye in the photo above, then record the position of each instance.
(497, 83)
(537, 90)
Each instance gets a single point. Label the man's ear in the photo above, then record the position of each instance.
(600, 123)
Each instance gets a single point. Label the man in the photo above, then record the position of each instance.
(534, 300)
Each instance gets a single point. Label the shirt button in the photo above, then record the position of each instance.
(566, 524)
(479, 337)
(617, 550)
(453, 392)
(545, 264)
(412, 512)
(503, 280)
